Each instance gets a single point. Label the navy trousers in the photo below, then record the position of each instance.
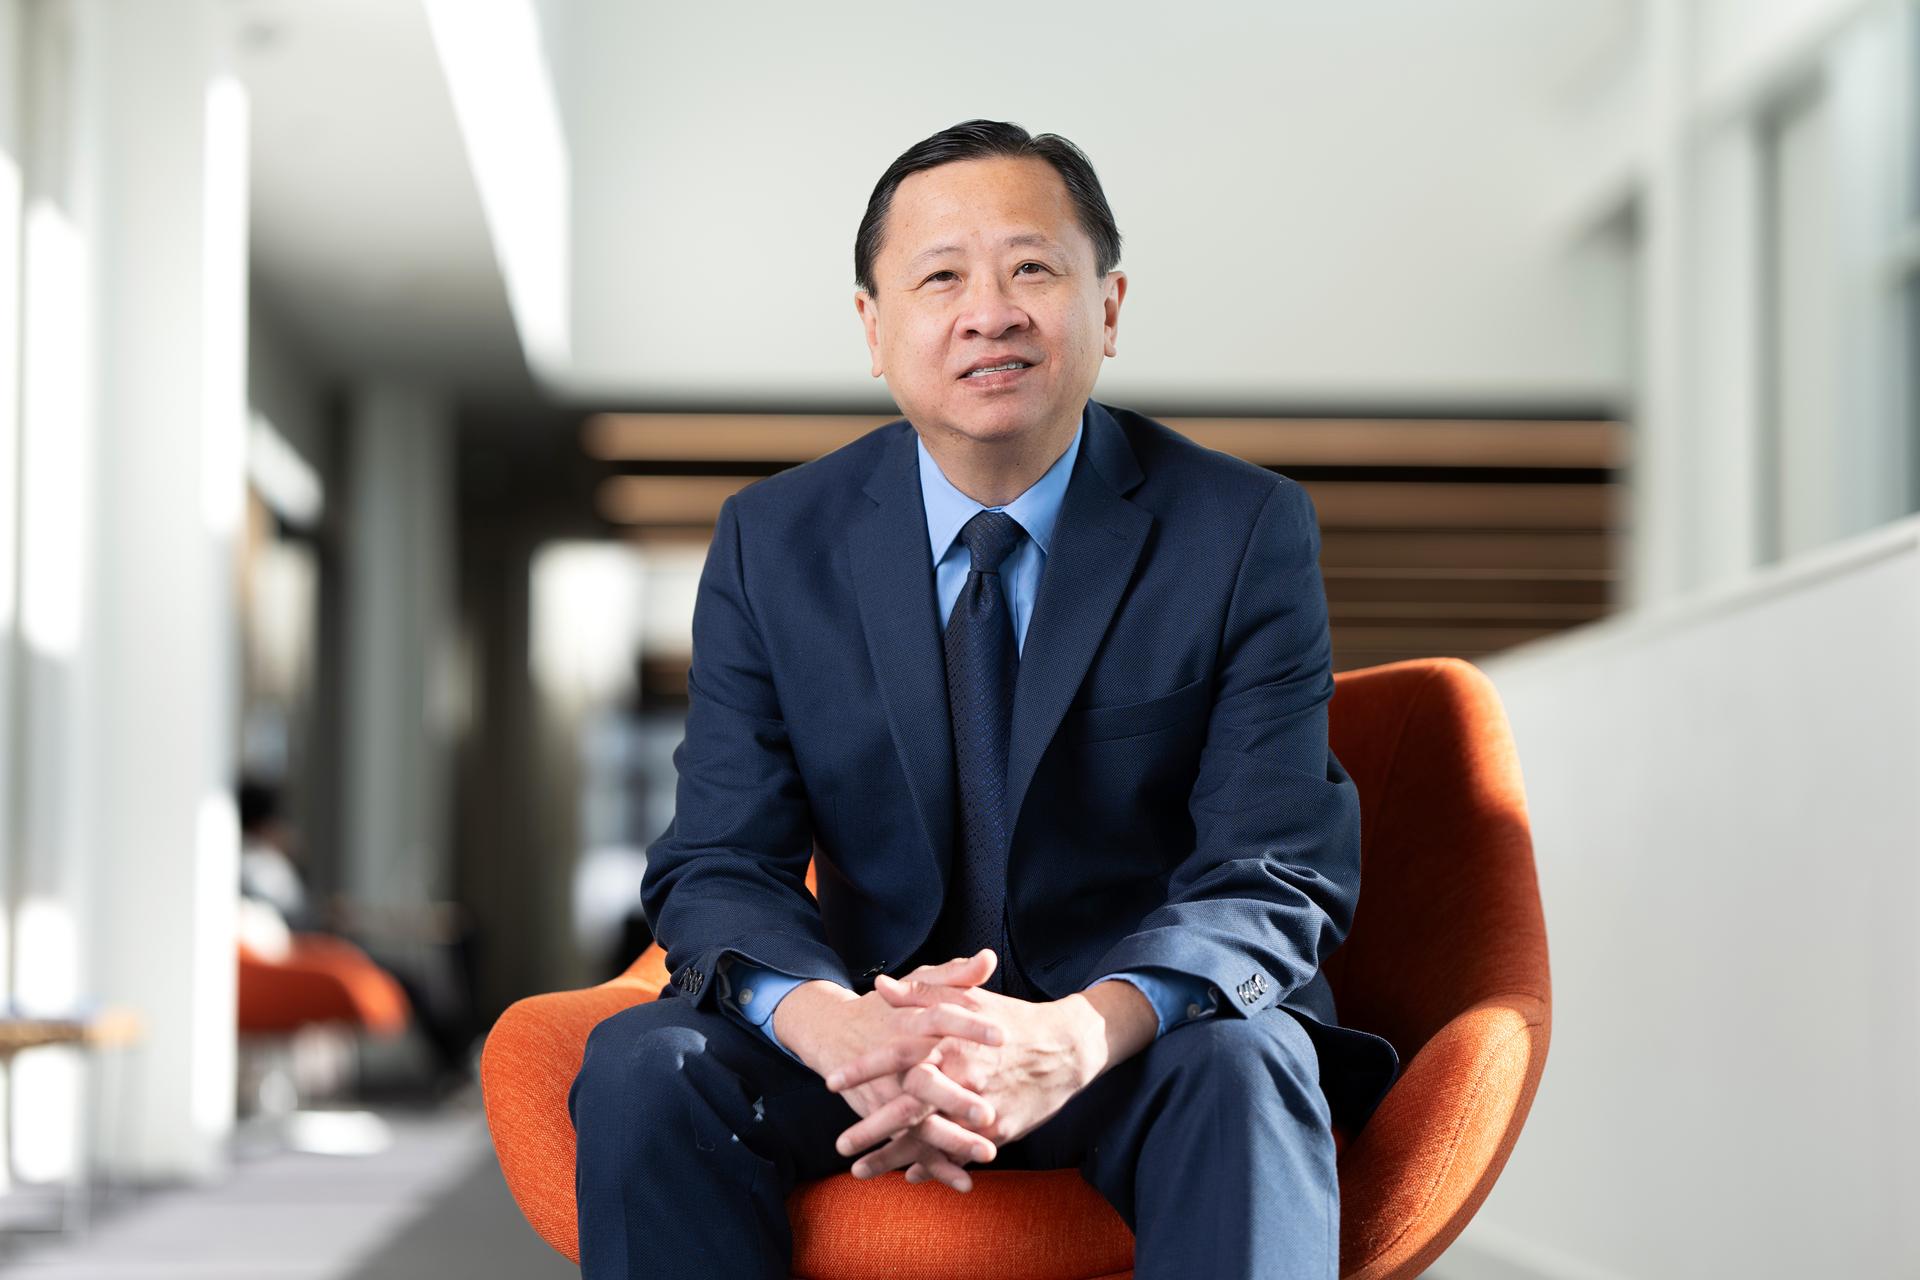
(1214, 1144)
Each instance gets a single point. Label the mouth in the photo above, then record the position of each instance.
(998, 374)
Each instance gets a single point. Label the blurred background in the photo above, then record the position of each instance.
(371, 372)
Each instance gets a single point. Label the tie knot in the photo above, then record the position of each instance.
(990, 536)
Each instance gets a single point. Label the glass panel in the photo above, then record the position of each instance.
(1910, 372)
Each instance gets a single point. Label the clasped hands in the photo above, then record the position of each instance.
(963, 1071)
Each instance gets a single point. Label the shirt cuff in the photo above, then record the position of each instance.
(752, 993)
(1176, 997)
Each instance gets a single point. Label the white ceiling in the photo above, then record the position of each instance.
(1321, 203)
(369, 245)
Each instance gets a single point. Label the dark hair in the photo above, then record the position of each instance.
(259, 803)
(976, 140)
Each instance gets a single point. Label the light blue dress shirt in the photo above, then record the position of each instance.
(753, 992)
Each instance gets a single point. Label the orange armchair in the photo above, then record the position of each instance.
(322, 979)
(1447, 958)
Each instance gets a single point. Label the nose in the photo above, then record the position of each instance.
(988, 309)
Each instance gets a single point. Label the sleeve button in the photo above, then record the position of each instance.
(1193, 1011)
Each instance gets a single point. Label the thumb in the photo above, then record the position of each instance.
(914, 991)
(965, 971)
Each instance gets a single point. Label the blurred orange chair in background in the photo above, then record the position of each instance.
(1447, 959)
(321, 979)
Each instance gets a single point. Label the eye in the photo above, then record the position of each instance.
(935, 276)
(1023, 266)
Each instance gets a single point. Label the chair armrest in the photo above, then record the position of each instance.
(1424, 1163)
(527, 1068)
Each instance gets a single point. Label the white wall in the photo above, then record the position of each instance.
(1319, 202)
(12, 136)
(121, 844)
(1763, 152)
(169, 235)
(1726, 821)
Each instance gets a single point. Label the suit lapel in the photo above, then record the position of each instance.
(1096, 542)
(899, 612)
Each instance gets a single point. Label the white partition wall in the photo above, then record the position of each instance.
(1725, 800)
(1761, 155)
(48, 736)
(12, 136)
(127, 327)
(170, 233)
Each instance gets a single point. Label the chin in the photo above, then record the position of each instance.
(1005, 419)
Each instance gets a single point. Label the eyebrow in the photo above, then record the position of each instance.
(1031, 238)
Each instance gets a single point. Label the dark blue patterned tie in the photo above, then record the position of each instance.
(981, 662)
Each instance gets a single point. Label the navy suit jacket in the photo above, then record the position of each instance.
(1173, 798)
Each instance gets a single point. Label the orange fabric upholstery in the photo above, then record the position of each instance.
(323, 979)
(1447, 958)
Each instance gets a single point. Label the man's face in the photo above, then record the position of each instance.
(984, 262)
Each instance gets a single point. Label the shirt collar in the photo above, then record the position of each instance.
(1036, 509)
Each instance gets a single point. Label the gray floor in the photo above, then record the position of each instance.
(432, 1204)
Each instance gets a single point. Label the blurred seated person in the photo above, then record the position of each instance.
(427, 949)
(269, 874)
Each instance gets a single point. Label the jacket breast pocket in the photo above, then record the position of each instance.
(1131, 719)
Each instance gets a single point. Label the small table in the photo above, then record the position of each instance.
(108, 1028)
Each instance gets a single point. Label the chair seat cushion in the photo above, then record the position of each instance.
(1014, 1225)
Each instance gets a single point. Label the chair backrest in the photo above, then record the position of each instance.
(1449, 911)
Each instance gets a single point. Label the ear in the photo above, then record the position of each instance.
(870, 321)
(1116, 289)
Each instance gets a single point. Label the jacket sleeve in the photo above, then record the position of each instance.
(1269, 889)
(728, 876)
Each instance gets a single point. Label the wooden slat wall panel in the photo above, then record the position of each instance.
(1573, 552)
(1270, 442)
(1414, 566)
(1362, 504)
(1424, 442)
(672, 500)
(721, 437)
(1570, 592)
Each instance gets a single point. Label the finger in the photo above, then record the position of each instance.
(891, 1058)
(956, 1020)
(955, 1143)
(935, 1088)
(934, 1165)
(878, 1129)
(948, 972)
(897, 1154)
(962, 971)
(931, 1166)
(950, 1010)
(940, 1018)
(964, 1069)
(903, 995)
(895, 1117)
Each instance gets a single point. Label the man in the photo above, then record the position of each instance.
(1040, 685)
